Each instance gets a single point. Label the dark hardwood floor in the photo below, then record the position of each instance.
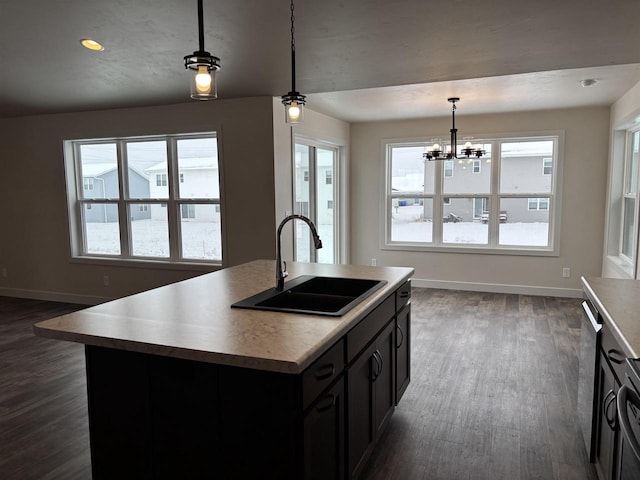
(493, 391)
(44, 432)
(492, 395)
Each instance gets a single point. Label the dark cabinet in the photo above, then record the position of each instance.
(403, 351)
(371, 394)
(324, 436)
(610, 374)
(608, 422)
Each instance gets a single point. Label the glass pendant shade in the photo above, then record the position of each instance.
(293, 108)
(203, 83)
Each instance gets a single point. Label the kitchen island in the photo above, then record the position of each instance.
(180, 385)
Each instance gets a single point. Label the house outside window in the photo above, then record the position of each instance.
(547, 166)
(133, 213)
(476, 166)
(328, 180)
(507, 206)
(88, 183)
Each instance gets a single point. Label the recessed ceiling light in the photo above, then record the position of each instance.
(588, 82)
(92, 44)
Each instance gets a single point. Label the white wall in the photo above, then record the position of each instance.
(582, 215)
(34, 245)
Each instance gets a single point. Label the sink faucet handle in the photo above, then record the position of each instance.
(285, 273)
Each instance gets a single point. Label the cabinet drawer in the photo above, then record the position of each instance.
(360, 335)
(613, 353)
(403, 295)
(322, 372)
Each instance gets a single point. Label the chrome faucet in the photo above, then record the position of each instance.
(281, 272)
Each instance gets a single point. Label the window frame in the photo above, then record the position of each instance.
(493, 246)
(76, 202)
(627, 194)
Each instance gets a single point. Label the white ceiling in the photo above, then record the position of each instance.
(496, 55)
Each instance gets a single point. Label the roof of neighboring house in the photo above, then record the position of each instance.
(200, 163)
(99, 169)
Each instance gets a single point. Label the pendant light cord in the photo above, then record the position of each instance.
(200, 26)
(293, 50)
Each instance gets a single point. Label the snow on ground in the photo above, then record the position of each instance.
(200, 240)
(407, 226)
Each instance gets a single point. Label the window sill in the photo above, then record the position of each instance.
(153, 264)
(538, 252)
(616, 267)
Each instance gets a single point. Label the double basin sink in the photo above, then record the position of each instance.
(333, 296)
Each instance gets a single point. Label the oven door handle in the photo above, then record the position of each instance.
(628, 394)
(594, 324)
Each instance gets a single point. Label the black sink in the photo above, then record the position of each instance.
(332, 296)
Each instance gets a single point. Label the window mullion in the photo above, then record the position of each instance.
(123, 207)
(173, 215)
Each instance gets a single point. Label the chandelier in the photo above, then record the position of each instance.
(203, 67)
(435, 151)
(293, 101)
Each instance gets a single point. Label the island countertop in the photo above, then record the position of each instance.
(618, 301)
(193, 319)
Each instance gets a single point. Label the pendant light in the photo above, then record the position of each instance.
(203, 67)
(293, 101)
(435, 151)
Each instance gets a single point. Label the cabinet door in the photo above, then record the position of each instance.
(360, 392)
(385, 380)
(608, 422)
(403, 351)
(324, 436)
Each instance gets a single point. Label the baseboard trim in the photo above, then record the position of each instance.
(52, 296)
(498, 288)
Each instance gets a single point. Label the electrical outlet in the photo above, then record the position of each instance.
(374, 262)
(105, 280)
(4, 272)
(566, 272)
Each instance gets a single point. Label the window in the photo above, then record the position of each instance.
(134, 213)
(629, 203)
(448, 168)
(88, 183)
(504, 203)
(315, 196)
(161, 180)
(538, 204)
(188, 211)
(328, 179)
(547, 166)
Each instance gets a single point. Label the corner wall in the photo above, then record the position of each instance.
(582, 216)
